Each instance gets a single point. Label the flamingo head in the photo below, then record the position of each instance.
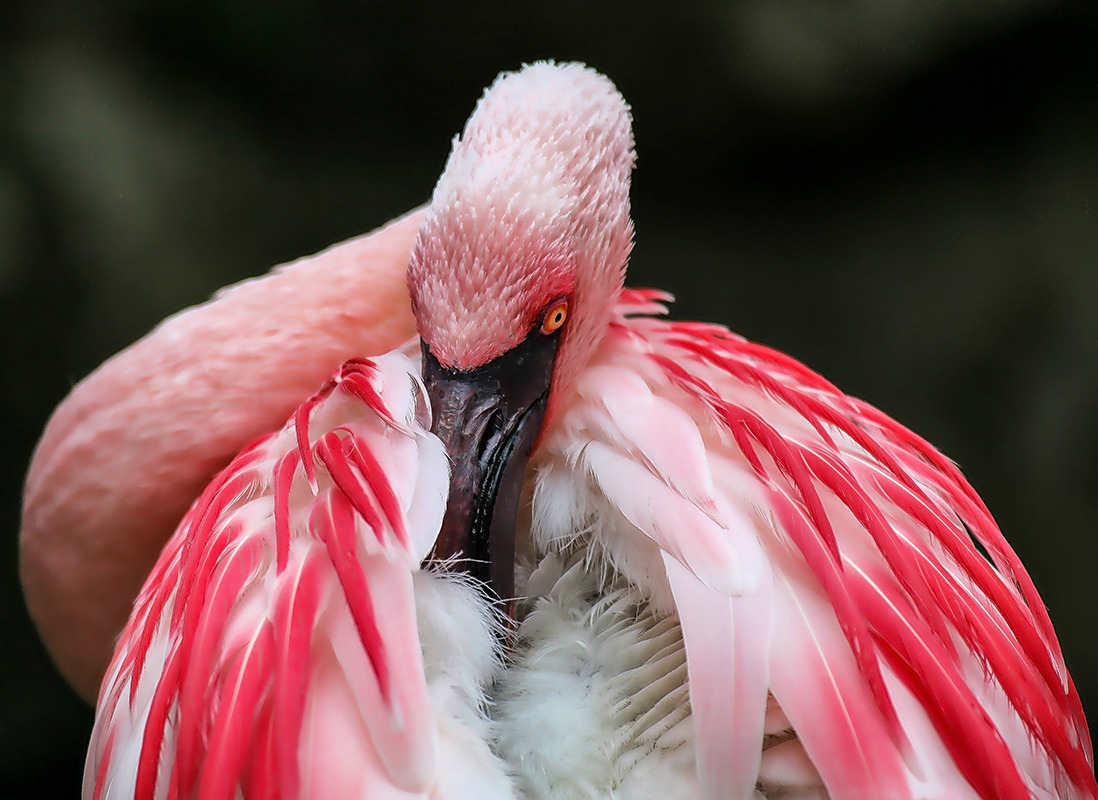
(514, 274)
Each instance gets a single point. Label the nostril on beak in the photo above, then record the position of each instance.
(491, 430)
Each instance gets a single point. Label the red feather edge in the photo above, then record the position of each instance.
(1009, 632)
(236, 718)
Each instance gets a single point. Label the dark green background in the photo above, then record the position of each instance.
(901, 193)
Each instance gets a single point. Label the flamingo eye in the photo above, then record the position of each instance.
(555, 316)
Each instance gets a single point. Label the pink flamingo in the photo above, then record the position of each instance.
(721, 576)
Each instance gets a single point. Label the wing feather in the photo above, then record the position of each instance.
(233, 724)
(214, 687)
(297, 602)
(721, 632)
(889, 625)
(818, 682)
(923, 664)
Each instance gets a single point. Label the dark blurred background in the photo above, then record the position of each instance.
(900, 193)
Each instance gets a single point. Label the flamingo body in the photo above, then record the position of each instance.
(732, 579)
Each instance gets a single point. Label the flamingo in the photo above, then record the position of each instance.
(564, 547)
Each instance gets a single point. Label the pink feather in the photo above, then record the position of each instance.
(836, 492)
(237, 598)
(724, 638)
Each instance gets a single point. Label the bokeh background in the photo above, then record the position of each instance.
(900, 193)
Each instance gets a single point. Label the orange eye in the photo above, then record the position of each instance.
(555, 316)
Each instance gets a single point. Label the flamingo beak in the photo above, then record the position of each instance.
(488, 418)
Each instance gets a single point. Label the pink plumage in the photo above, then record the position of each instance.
(281, 587)
(865, 530)
(746, 583)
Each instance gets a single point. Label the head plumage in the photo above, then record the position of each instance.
(533, 205)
